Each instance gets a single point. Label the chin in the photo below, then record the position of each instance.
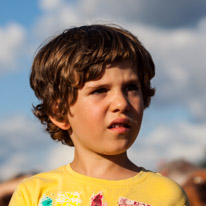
(116, 151)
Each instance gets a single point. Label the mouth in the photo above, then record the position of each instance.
(117, 125)
(120, 123)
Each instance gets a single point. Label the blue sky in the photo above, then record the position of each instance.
(173, 31)
(24, 12)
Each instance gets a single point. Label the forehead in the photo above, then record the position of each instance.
(122, 71)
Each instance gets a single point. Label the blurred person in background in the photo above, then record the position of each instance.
(190, 176)
(8, 187)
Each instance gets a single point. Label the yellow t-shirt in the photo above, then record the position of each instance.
(65, 187)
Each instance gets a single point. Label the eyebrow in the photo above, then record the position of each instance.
(133, 81)
(99, 85)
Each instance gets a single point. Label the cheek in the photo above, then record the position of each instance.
(91, 115)
(95, 115)
(95, 108)
(137, 104)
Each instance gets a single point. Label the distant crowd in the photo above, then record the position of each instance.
(8, 187)
(191, 177)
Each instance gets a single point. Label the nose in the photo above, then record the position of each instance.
(119, 102)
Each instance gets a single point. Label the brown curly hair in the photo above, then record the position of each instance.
(79, 55)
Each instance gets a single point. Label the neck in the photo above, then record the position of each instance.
(112, 167)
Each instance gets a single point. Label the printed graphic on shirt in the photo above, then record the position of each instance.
(68, 199)
(45, 201)
(97, 200)
(126, 202)
(73, 199)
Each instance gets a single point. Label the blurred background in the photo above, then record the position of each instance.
(174, 126)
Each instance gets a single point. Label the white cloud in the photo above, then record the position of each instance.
(23, 145)
(14, 165)
(12, 38)
(168, 14)
(168, 142)
(20, 131)
(56, 17)
(50, 4)
(60, 155)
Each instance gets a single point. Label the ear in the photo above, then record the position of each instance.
(63, 125)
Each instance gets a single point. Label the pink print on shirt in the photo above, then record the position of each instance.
(126, 202)
(97, 200)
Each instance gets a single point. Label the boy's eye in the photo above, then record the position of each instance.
(99, 91)
(132, 87)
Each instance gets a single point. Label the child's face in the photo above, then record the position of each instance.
(107, 115)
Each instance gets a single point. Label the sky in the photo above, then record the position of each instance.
(174, 126)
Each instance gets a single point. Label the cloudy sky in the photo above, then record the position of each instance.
(173, 31)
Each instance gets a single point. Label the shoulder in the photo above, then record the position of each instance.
(46, 177)
(166, 188)
(163, 183)
(29, 189)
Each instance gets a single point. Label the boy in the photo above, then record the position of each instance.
(94, 83)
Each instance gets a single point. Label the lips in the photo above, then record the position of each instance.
(120, 123)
